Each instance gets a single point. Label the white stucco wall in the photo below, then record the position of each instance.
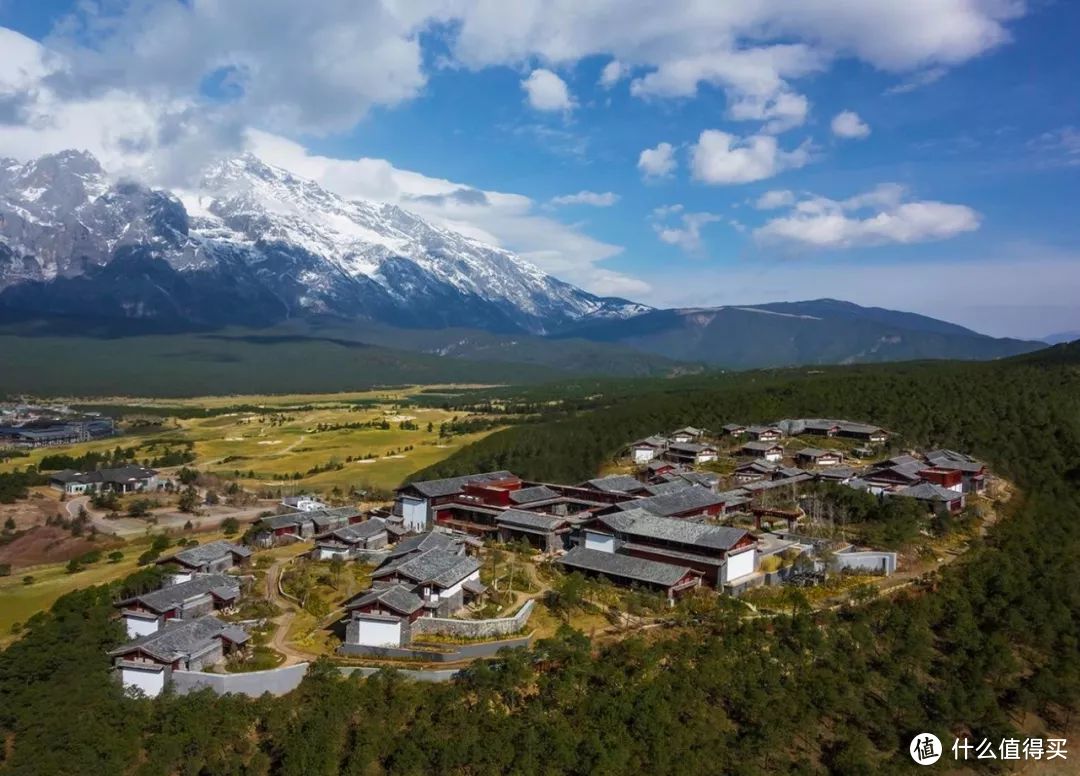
(377, 633)
(644, 454)
(450, 591)
(151, 683)
(706, 457)
(739, 565)
(138, 627)
(414, 512)
(773, 456)
(602, 542)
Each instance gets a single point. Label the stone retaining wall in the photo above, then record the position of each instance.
(473, 629)
(455, 653)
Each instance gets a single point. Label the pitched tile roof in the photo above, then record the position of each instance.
(357, 532)
(166, 598)
(642, 524)
(624, 567)
(451, 485)
(436, 567)
(615, 483)
(694, 497)
(531, 494)
(534, 520)
(182, 639)
(208, 553)
(397, 597)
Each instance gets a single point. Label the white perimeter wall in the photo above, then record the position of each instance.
(740, 564)
(150, 682)
(377, 633)
(414, 512)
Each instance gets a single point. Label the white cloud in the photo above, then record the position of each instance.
(613, 72)
(1059, 146)
(918, 80)
(752, 50)
(771, 200)
(686, 232)
(593, 198)
(313, 72)
(722, 158)
(819, 222)
(657, 162)
(847, 124)
(780, 112)
(546, 91)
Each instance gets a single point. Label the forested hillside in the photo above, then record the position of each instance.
(989, 647)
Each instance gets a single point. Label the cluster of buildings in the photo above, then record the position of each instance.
(666, 526)
(32, 426)
(176, 627)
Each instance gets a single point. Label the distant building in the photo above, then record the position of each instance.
(547, 533)
(124, 479)
(645, 450)
(767, 451)
(813, 456)
(764, 433)
(690, 453)
(348, 542)
(210, 558)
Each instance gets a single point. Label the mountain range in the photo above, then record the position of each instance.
(255, 246)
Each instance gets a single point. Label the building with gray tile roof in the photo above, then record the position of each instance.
(538, 521)
(397, 598)
(641, 524)
(688, 502)
(626, 569)
(214, 556)
(667, 486)
(221, 587)
(192, 644)
(448, 486)
(615, 483)
(435, 567)
(424, 542)
(533, 494)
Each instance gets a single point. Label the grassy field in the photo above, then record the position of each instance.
(291, 435)
(20, 601)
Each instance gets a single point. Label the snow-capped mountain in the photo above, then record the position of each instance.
(254, 244)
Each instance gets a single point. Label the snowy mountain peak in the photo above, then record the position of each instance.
(299, 249)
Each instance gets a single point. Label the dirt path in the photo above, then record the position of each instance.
(279, 641)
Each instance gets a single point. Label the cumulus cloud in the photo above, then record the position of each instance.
(848, 125)
(314, 72)
(722, 158)
(546, 91)
(613, 72)
(685, 231)
(753, 51)
(771, 200)
(878, 217)
(593, 198)
(658, 162)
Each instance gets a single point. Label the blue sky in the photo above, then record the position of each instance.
(916, 154)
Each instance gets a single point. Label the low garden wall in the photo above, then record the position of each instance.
(473, 629)
(276, 681)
